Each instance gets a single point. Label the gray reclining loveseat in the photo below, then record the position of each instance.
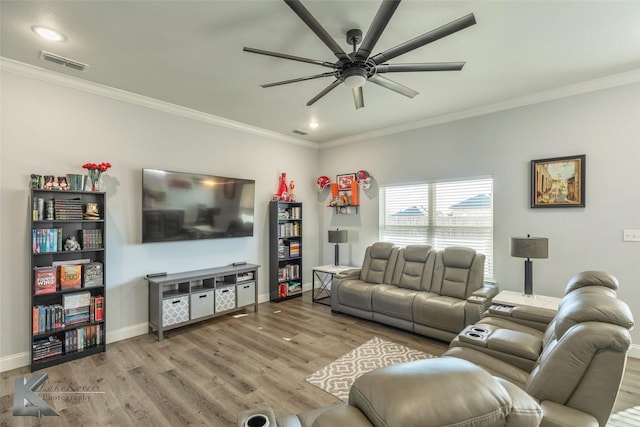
(432, 293)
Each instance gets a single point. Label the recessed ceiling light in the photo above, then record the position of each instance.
(48, 33)
(313, 125)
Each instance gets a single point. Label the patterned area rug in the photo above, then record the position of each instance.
(627, 418)
(337, 377)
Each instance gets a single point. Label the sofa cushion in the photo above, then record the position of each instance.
(591, 307)
(592, 278)
(458, 393)
(356, 293)
(440, 312)
(393, 301)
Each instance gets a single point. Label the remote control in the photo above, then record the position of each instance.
(239, 263)
(150, 275)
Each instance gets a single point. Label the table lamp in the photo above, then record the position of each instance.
(337, 237)
(529, 247)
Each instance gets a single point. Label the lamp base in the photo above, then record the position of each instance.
(337, 256)
(528, 277)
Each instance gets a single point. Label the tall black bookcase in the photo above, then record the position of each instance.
(68, 294)
(285, 250)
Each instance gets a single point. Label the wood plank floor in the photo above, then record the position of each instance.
(204, 374)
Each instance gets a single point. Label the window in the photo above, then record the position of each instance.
(440, 214)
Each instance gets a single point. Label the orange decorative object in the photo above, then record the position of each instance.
(355, 199)
(334, 189)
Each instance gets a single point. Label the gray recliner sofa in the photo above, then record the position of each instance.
(424, 393)
(432, 293)
(575, 367)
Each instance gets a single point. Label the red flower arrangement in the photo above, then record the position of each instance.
(102, 166)
(95, 170)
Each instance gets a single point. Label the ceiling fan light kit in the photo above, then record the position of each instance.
(358, 67)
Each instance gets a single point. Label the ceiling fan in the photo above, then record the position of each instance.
(356, 68)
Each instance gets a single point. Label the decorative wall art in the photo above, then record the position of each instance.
(344, 181)
(558, 182)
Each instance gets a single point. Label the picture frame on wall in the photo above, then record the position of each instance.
(558, 182)
(344, 181)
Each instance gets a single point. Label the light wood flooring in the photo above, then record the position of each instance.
(206, 373)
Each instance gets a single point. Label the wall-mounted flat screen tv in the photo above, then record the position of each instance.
(187, 206)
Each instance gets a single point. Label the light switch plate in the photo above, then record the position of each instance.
(631, 235)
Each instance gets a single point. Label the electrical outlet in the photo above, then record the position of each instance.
(631, 235)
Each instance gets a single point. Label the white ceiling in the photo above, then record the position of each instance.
(189, 53)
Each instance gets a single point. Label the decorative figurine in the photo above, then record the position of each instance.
(292, 196)
(71, 244)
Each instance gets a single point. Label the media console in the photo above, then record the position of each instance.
(180, 299)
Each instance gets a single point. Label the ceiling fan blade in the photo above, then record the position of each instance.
(324, 92)
(382, 18)
(300, 79)
(358, 97)
(390, 84)
(407, 68)
(285, 56)
(431, 36)
(315, 26)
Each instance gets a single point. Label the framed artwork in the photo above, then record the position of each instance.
(558, 182)
(344, 181)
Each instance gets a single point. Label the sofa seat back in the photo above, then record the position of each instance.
(379, 262)
(414, 267)
(457, 272)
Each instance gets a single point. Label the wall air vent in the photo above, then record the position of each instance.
(61, 60)
(300, 132)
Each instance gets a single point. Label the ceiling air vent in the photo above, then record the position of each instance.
(300, 132)
(61, 60)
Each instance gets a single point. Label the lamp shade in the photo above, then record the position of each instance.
(338, 236)
(530, 247)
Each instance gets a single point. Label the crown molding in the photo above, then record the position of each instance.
(39, 73)
(607, 82)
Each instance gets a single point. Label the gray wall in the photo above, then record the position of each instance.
(604, 125)
(52, 129)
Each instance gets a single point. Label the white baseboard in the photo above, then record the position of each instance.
(14, 361)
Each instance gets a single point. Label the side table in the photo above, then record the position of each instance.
(324, 274)
(546, 304)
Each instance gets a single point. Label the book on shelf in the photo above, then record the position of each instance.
(45, 280)
(70, 276)
(91, 239)
(92, 274)
(68, 209)
(77, 307)
(295, 287)
(46, 347)
(46, 240)
(47, 318)
(294, 249)
(98, 304)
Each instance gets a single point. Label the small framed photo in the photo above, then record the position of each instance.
(344, 181)
(558, 182)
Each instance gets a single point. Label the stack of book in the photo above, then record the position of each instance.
(294, 249)
(68, 209)
(82, 338)
(91, 239)
(46, 240)
(46, 347)
(77, 308)
(47, 318)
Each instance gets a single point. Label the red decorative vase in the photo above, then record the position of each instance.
(283, 190)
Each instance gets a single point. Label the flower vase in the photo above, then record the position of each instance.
(94, 176)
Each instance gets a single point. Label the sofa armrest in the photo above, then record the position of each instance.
(352, 273)
(557, 415)
(479, 302)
